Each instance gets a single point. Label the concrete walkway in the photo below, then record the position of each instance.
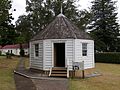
(50, 84)
(21, 64)
(23, 83)
(27, 80)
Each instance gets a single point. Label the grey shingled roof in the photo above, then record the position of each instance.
(61, 28)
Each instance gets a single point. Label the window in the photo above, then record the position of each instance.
(84, 49)
(36, 50)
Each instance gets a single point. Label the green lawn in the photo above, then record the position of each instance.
(110, 79)
(6, 73)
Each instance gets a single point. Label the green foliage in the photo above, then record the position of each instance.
(5, 16)
(20, 39)
(109, 57)
(104, 26)
(24, 30)
(0, 53)
(7, 32)
(22, 53)
(8, 55)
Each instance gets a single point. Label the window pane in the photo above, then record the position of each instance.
(36, 53)
(36, 50)
(84, 46)
(84, 49)
(36, 46)
(84, 52)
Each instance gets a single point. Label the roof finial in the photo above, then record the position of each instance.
(61, 11)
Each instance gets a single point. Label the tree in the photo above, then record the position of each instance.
(23, 29)
(7, 32)
(104, 24)
(20, 40)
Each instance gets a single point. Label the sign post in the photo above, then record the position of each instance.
(82, 68)
(79, 66)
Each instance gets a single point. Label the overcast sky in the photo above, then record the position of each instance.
(19, 5)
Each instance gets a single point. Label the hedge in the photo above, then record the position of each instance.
(108, 57)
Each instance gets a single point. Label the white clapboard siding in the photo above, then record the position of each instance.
(69, 52)
(73, 53)
(89, 59)
(36, 62)
(78, 51)
(49, 50)
(47, 54)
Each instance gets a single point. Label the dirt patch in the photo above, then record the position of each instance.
(23, 83)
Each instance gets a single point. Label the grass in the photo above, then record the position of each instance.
(110, 79)
(6, 72)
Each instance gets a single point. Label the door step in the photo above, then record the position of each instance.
(59, 68)
(59, 72)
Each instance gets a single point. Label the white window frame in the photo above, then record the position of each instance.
(84, 49)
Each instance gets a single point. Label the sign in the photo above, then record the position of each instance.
(78, 65)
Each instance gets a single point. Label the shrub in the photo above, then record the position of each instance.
(0, 53)
(22, 53)
(8, 55)
(108, 57)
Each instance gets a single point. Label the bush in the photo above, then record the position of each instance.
(22, 53)
(0, 53)
(108, 57)
(8, 55)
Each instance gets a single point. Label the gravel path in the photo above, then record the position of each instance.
(50, 84)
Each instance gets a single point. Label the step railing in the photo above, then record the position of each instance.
(50, 72)
(67, 71)
(67, 68)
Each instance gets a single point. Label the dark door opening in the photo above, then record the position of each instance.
(59, 54)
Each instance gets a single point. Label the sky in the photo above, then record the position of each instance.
(20, 5)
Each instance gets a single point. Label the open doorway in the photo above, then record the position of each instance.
(59, 54)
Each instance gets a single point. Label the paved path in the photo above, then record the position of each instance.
(21, 64)
(23, 83)
(51, 84)
(46, 83)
